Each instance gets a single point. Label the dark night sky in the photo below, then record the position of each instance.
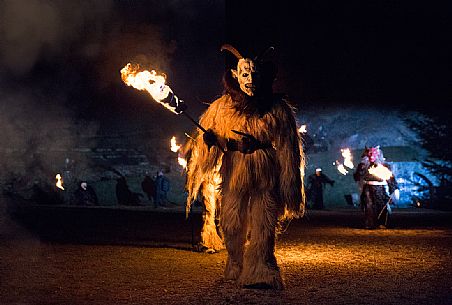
(394, 53)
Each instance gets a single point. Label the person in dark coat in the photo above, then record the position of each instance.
(124, 195)
(85, 195)
(148, 187)
(316, 183)
(162, 186)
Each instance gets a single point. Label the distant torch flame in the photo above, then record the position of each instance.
(59, 182)
(302, 129)
(182, 162)
(175, 148)
(380, 171)
(342, 169)
(348, 159)
(152, 83)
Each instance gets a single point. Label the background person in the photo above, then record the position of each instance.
(124, 195)
(149, 188)
(162, 186)
(377, 191)
(85, 195)
(316, 184)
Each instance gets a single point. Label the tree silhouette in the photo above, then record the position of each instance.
(434, 133)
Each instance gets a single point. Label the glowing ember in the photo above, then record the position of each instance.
(348, 159)
(59, 182)
(152, 83)
(380, 171)
(302, 129)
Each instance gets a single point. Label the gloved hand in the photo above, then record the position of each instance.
(248, 143)
(210, 138)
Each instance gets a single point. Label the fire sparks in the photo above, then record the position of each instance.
(175, 148)
(59, 182)
(152, 83)
(380, 171)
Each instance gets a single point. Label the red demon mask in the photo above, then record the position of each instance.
(373, 153)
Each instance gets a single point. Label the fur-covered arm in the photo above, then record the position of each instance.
(202, 162)
(291, 161)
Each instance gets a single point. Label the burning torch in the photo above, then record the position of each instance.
(155, 85)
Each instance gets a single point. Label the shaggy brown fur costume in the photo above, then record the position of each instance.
(253, 192)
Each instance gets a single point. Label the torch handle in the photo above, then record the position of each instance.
(194, 121)
(199, 126)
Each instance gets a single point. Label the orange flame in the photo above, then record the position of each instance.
(380, 171)
(342, 169)
(175, 148)
(148, 81)
(59, 182)
(348, 159)
(347, 155)
(182, 162)
(302, 129)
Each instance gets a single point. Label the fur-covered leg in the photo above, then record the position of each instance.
(233, 222)
(260, 269)
(210, 240)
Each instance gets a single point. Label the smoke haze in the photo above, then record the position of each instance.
(59, 72)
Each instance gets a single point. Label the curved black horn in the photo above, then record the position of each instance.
(266, 53)
(231, 49)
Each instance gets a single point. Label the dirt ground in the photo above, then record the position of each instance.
(139, 255)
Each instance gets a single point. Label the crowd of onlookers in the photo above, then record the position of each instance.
(82, 193)
(156, 189)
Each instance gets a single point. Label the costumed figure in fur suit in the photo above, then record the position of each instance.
(378, 188)
(249, 169)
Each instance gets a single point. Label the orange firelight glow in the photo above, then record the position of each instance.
(59, 182)
(380, 171)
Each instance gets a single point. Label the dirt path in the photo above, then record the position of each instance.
(324, 260)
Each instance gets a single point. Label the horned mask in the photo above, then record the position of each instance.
(374, 154)
(247, 72)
